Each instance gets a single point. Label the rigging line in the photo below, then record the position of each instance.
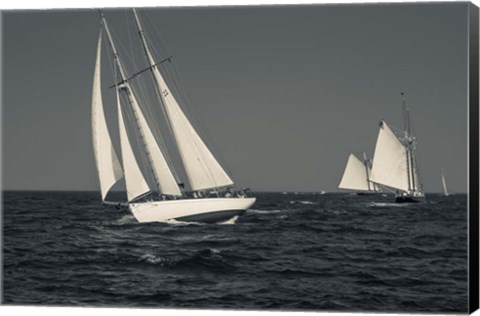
(156, 34)
(142, 94)
(141, 71)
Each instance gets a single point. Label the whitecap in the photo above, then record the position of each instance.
(230, 221)
(126, 219)
(180, 223)
(150, 258)
(303, 202)
(383, 204)
(306, 202)
(263, 211)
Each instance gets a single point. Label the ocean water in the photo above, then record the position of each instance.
(290, 252)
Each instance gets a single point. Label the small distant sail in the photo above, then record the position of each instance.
(355, 175)
(202, 169)
(390, 166)
(109, 170)
(444, 184)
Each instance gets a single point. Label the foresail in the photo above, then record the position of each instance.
(389, 165)
(355, 175)
(134, 180)
(202, 169)
(108, 166)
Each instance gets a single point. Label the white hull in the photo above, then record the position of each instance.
(208, 209)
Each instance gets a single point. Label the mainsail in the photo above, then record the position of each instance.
(355, 176)
(202, 169)
(390, 160)
(109, 170)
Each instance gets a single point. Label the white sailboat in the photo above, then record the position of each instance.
(212, 197)
(444, 184)
(394, 164)
(356, 176)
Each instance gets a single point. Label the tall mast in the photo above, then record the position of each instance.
(151, 61)
(365, 160)
(152, 66)
(118, 63)
(409, 139)
(406, 116)
(125, 86)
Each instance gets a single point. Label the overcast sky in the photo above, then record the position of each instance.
(284, 93)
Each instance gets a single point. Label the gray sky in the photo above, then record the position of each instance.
(285, 93)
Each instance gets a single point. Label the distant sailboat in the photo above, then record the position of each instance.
(356, 176)
(444, 184)
(212, 197)
(394, 163)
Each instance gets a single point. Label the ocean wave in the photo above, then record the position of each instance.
(175, 222)
(152, 259)
(209, 258)
(385, 204)
(127, 219)
(264, 211)
(303, 202)
(230, 221)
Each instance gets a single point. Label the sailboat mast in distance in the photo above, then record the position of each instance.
(367, 170)
(394, 163)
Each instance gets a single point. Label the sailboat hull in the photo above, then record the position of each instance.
(207, 210)
(406, 199)
(368, 193)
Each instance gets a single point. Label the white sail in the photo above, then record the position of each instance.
(108, 167)
(389, 166)
(162, 174)
(202, 169)
(134, 180)
(355, 175)
(444, 185)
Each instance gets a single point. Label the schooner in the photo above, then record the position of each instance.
(394, 162)
(211, 198)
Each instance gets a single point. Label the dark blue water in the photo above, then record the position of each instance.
(291, 252)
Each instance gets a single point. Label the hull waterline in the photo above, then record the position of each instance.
(368, 193)
(407, 199)
(208, 210)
